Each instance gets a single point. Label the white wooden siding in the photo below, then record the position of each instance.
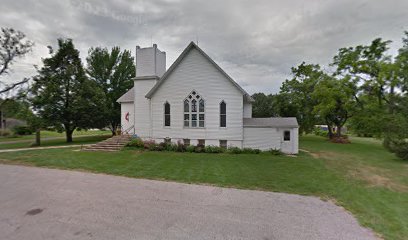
(292, 146)
(195, 72)
(262, 138)
(150, 62)
(271, 138)
(247, 110)
(127, 107)
(160, 63)
(142, 107)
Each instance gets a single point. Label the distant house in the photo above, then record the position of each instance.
(196, 102)
(334, 129)
(10, 123)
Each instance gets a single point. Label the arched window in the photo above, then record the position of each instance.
(223, 114)
(167, 114)
(194, 110)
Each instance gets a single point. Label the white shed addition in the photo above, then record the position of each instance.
(196, 102)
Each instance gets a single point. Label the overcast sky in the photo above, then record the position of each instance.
(256, 42)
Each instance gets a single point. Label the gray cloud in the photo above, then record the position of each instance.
(256, 42)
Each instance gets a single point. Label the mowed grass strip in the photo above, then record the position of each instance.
(53, 134)
(331, 171)
(56, 142)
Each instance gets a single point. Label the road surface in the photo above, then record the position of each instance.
(39, 203)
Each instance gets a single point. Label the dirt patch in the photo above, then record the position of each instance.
(376, 177)
(373, 176)
(325, 155)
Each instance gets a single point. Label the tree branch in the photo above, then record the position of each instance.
(12, 86)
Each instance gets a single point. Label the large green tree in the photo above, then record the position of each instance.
(296, 95)
(113, 72)
(62, 94)
(334, 102)
(265, 105)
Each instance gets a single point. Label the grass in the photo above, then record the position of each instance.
(53, 134)
(362, 177)
(55, 142)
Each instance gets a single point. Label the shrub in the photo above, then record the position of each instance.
(399, 147)
(235, 150)
(22, 130)
(251, 151)
(157, 147)
(5, 132)
(199, 149)
(213, 149)
(137, 143)
(320, 132)
(190, 148)
(149, 144)
(275, 152)
(166, 146)
(180, 147)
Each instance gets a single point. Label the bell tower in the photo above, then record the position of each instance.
(150, 66)
(150, 61)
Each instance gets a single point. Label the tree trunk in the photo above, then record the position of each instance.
(38, 137)
(338, 133)
(69, 136)
(68, 132)
(329, 128)
(113, 129)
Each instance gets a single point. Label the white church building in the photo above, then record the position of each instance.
(196, 102)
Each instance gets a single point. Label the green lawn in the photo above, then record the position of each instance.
(362, 176)
(53, 134)
(55, 142)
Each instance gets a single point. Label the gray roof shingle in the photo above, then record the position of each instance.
(271, 122)
(129, 96)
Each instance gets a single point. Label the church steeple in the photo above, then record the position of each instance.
(150, 61)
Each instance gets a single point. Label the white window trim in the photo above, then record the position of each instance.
(198, 111)
(219, 115)
(164, 114)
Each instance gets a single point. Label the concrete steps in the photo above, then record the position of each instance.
(115, 143)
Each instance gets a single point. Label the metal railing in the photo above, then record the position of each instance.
(126, 131)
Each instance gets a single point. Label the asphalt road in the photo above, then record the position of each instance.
(39, 203)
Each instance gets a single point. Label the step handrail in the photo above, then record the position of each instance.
(126, 130)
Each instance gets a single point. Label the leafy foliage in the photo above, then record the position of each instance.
(63, 96)
(22, 130)
(113, 72)
(297, 95)
(265, 105)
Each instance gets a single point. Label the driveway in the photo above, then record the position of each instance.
(39, 203)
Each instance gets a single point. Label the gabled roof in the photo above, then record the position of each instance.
(271, 122)
(129, 96)
(180, 59)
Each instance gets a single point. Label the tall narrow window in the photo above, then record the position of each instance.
(167, 114)
(223, 114)
(194, 111)
(286, 136)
